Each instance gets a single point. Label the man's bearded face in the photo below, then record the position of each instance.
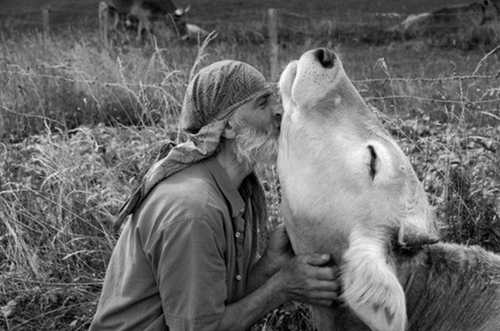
(255, 145)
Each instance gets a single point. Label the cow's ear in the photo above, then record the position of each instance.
(371, 287)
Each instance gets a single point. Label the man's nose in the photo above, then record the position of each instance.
(277, 113)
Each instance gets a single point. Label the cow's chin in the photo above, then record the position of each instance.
(256, 147)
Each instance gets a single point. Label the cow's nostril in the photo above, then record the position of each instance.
(325, 57)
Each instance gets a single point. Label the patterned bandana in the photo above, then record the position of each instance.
(211, 98)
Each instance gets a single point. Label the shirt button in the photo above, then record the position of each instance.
(238, 277)
(237, 234)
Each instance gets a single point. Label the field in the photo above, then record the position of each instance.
(80, 123)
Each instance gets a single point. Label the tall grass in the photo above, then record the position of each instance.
(58, 83)
(59, 195)
(80, 124)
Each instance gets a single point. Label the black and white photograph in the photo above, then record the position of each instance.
(249, 165)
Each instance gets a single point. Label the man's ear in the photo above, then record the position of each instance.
(229, 131)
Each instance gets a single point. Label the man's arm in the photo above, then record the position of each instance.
(280, 276)
(191, 276)
(304, 278)
(278, 252)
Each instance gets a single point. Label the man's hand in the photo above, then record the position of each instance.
(309, 279)
(306, 278)
(279, 248)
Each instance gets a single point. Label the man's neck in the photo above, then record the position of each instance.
(236, 170)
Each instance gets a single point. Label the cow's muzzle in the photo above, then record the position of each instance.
(325, 57)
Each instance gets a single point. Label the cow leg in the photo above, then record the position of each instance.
(140, 27)
(116, 19)
(150, 32)
(371, 288)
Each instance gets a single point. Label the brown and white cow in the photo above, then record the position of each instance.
(349, 190)
(142, 15)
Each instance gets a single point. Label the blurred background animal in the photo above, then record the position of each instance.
(143, 17)
(447, 20)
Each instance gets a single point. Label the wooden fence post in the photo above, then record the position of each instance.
(273, 42)
(104, 23)
(46, 24)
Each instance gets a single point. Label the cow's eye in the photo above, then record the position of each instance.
(373, 162)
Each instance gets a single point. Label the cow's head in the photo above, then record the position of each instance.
(178, 17)
(345, 183)
(330, 135)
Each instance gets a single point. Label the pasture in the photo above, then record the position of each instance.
(79, 123)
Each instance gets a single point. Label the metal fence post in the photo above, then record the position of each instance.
(46, 24)
(273, 42)
(104, 23)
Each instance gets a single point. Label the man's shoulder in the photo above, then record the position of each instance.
(193, 184)
(191, 193)
(178, 202)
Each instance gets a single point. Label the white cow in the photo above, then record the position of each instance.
(349, 190)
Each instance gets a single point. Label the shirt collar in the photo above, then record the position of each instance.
(231, 193)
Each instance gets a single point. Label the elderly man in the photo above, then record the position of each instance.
(187, 259)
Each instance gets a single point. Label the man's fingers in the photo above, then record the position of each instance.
(280, 227)
(316, 259)
(311, 277)
(327, 286)
(326, 273)
(322, 297)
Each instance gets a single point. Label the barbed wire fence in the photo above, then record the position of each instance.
(476, 93)
(276, 24)
(45, 19)
(382, 90)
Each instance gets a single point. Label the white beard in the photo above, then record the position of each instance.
(253, 146)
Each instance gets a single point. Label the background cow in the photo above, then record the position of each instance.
(450, 19)
(349, 190)
(145, 16)
(196, 32)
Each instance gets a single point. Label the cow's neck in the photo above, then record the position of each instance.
(442, 290)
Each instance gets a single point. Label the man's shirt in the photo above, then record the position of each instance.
(183, 256)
